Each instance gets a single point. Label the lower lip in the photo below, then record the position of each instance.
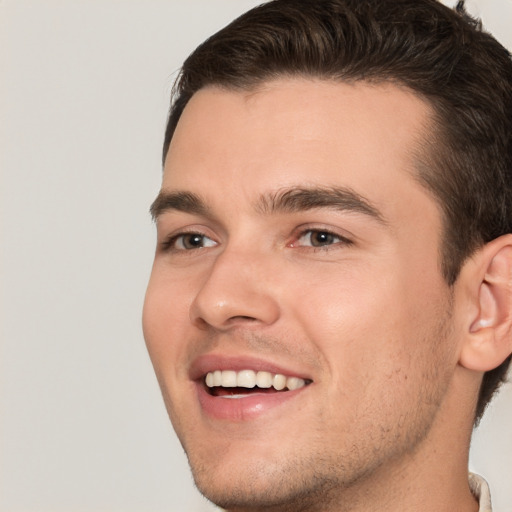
(245, 408)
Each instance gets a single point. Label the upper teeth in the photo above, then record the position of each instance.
(250, 379)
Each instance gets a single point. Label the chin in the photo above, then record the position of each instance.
(255, 489)
(244, 485)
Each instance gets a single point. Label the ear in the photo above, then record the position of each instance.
(489, 328)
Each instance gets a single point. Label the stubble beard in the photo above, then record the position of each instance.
(289, 486)
(322, 480)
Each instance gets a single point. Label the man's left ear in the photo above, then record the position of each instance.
(488, 340)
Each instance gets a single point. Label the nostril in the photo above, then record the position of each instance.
(201, 323)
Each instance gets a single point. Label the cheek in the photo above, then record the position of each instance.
(374, 325)
(348, 311)
(165, 333)
(162, 320)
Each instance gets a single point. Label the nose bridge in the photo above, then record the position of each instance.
(237, 288)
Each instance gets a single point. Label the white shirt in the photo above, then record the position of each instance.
(480, 491)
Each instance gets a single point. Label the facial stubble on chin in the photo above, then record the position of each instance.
(298, 482)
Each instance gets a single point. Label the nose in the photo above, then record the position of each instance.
(238, 289)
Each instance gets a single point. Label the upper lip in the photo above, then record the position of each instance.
(211, 362)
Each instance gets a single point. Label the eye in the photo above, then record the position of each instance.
(189, 241)
(319, 238)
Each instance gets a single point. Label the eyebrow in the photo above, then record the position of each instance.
(309, 198)
(179, 201)
(288, 200)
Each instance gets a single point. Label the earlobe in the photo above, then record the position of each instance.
(489, 338)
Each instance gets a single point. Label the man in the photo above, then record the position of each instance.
(330, 306)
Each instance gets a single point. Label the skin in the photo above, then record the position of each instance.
(364, 314)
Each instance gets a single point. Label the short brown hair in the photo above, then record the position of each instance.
(443, 55)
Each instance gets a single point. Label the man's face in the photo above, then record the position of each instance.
(294, 240)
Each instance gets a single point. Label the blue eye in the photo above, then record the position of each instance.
(189, 241)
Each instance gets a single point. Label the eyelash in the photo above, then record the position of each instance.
(341, 240)
(168, 245)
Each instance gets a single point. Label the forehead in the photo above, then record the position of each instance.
(290, 132)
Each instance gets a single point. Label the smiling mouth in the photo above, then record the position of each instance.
(238, 384)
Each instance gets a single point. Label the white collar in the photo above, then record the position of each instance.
(480, 490)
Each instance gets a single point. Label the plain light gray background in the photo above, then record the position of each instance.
(84, 87)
